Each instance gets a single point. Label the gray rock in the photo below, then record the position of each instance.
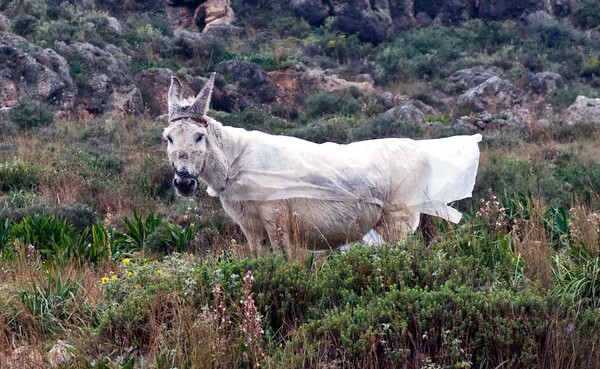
(408, 112)
(445, 12)
(114, 26)
(249, 80)
(26, 70)
(154, 84)
(584, 111)
(546, 83)
(313, 11)
(370, 20)
(467, 78)
(105, 82)
(510, 9)
(4, 23)
(60, 354)
(492, 95)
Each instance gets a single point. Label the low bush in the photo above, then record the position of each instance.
(587, 14)
(383, 127)
(24, 25)
(28, 113)
(17, 175)
(327, 103)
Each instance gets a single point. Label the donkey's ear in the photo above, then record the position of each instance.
(174, 94)
(201, 103)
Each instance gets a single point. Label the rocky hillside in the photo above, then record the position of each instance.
(322, 70)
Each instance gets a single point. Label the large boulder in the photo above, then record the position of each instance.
(584, 111)
(546, 83)
(468, 78)
(4, 23)
(105, 83)
(511, 9)
(370, 20)
(204, 15)
(313, 11)
(295, 84)
(446, 12)
(26, 70)
(492, 95)
(249, 82)
(408, 112)
(154, 84)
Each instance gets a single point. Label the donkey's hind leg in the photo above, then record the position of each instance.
(396, 224)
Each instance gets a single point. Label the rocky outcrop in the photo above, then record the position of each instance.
(511, 9)
(445, 12)
(584, 111)
(409, 113)
(376, 20)
(293, 85)
(105, 84)
(26, 70)
(313, 11)
(493, 95)
(546, 83)
(468, 78)
(154, 84)
(248, 85)
(204, 15)
(4, 23)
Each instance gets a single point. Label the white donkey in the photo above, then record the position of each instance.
(279, 188)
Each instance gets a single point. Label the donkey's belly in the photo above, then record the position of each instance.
(323, 224)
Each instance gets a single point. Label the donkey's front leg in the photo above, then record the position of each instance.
(277, 224)
(257, 241)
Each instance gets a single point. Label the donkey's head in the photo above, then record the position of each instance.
(186, 135)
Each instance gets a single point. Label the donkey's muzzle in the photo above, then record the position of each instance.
(185, 183)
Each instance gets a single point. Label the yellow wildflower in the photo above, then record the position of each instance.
(129, 274)
(331, 43)
(126, 261)
(113, 277)
(159, 272)
(104, 280)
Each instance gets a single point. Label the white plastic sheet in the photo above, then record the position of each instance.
(422, 176)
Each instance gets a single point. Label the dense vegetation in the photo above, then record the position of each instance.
(96, 251)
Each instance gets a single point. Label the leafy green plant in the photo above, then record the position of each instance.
(168, 238)
(51, 237)
(587, 14)
(52, 302)
(27, 113)
(138, 230)
(24, 24)
(5, 235)
(17, 175)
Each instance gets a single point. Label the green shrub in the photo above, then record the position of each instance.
(78, 215)
(383, 127)
(169, 238)
(53, 302)
(587, 14)
(254, 120)
(326, 103)
(28, 113)
(24, 24)
(6, 236)
(54, 239)
(17, 175)
(138, 229)
(334, 129)
(554, 34)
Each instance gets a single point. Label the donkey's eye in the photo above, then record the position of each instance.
(199, 138)
(169, 139)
